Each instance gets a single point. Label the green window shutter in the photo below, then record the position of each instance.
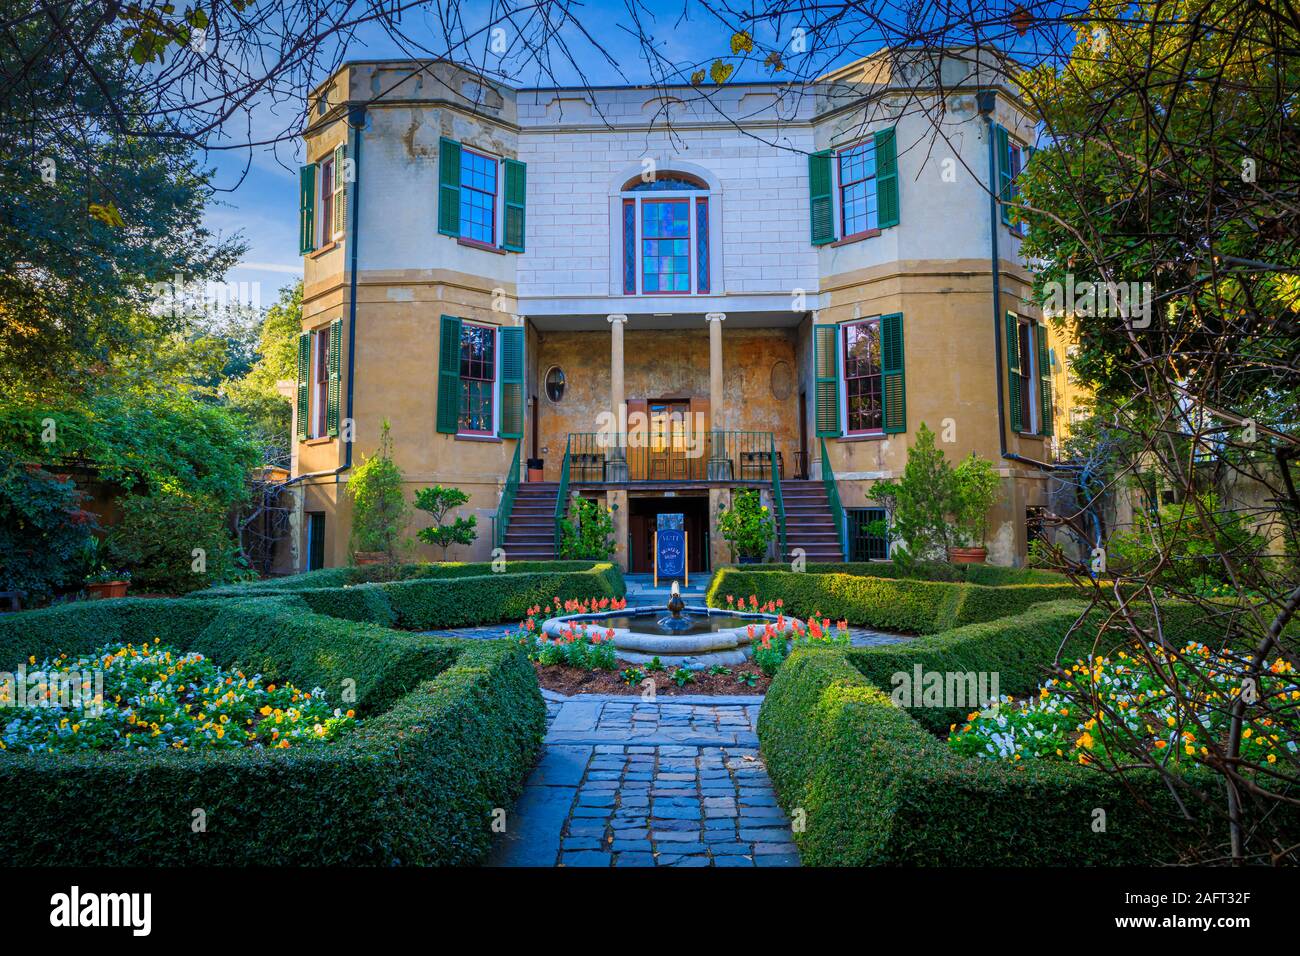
(304, 383)
(449, 187)
(340, 223)
(1044, 383)
(512, 384)
(892, 373)
(306, 209)
(516, 174)
(886, 179)
(820, 210)
(448, 375)
(826, 379)
(335, 352)
(1013, 371)
(1002, 148)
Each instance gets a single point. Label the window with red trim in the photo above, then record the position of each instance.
(858, 188)
(863, 410)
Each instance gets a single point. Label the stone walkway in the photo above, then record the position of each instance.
(622, 782)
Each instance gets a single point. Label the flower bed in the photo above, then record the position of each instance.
(1108, 708)
(879, 785)
(447, 731)
(154, 697)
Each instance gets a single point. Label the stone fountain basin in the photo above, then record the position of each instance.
(727, 645)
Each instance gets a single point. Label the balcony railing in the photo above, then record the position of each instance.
(673, 456)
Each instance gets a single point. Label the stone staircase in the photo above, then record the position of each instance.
(808, 521)
(530, 536)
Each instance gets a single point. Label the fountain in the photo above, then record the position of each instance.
(690, 636)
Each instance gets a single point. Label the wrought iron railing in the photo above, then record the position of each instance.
(833, 496)
(673, 455)
(778, 502)
(562, 495)
(507, 501)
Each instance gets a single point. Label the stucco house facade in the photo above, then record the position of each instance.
(656, 297)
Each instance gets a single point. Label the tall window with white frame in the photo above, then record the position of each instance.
(860, 349)
(857, 184)
(320, 379)
(477, 379)
(478, 197)
(325, 224)
(1028, 375)
(666, 228)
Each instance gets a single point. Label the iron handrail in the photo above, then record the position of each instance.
(833, 497)
(778, 501)
(562, 496)
(671, 455)
(507, 501)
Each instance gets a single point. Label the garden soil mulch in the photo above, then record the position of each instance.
(573, 680)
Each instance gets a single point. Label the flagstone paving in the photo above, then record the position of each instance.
(625, 782)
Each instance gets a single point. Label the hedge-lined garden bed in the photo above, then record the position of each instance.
(370, 573)
(422, 602)
(988, 574)
(878, 785)
(903, 605)
(447, 732)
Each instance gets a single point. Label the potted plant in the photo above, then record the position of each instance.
(536, 469)
(379, 509)
(437, 501)
(747, 526)
(917, 503)
(974, 491)
(108, 584)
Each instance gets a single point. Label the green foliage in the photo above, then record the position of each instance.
(682, 676)
(588, 532)
(655, 665)
(918, 503)
(1187, 545)
(879, 789)
(975, 490)
(145, 442)
(43, 530)
(747, 525)
(632, 676)
(748, 678)
(256, 393)
(379, 508)
(451, 729)
(371, 573)
(437, 501)
(988, 574)
(891, 604)
(157, 537)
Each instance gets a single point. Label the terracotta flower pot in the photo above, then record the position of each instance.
(371, 557)
(968, 555)
(107, 589)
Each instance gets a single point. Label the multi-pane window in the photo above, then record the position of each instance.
(666, 246)
(320, 379)
(326, 226)
(477, 379)
(1015, 163)
(478, 197)
(665, 226)
(862, 377)
(858, 188)
(1028, 364)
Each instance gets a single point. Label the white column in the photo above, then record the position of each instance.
(718, 467)
(616, 466)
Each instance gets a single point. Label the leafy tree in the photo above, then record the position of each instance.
(747, 525)
(918, 503)
(588, 532)
(975, 490)
(379, 508)
(256, 393)
(173, 543)
(43, 529)
(437, 502)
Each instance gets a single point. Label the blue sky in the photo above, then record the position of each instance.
(263, 205)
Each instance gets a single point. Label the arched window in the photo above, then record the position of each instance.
(666, 241)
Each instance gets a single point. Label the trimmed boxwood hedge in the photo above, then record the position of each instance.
(891, 604)
(877, 788)
(425, 604)
(880, 785)
(451, 729)
(988, 574)
(371, 573)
